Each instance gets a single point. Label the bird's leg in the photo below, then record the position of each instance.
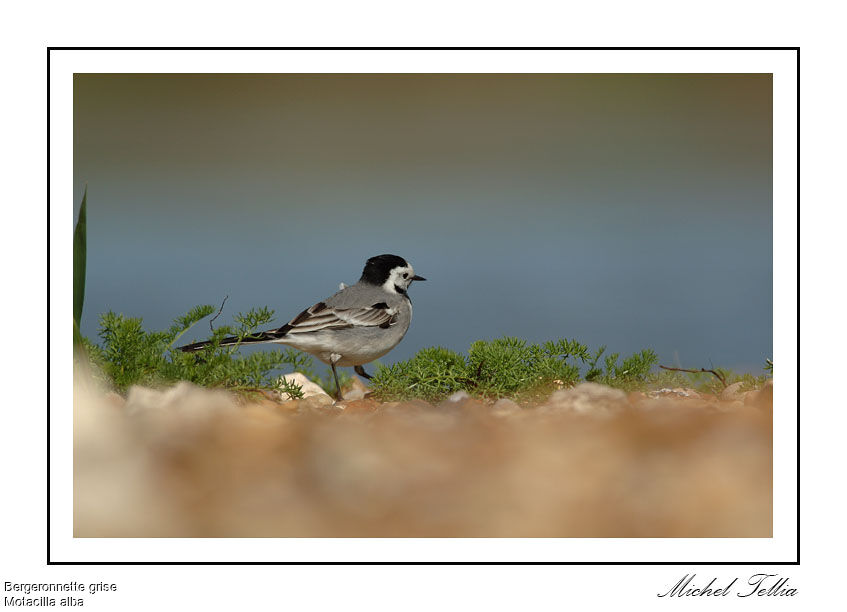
(361, 372)
(337, 386)
(333, 358)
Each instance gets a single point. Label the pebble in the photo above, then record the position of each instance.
(185, 399)
(319, 400)
(458, 396)
(357, 390)
(732, 392)
(678, 392)
(310, 389)
(587, 398)
(353, 395)
(504, 407)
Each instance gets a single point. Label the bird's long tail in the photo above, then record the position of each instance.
(266, 336)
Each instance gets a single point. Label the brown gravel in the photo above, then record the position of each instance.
(191, 462)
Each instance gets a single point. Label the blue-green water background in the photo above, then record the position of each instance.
(628, 210)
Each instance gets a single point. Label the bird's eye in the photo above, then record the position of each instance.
(405, 275)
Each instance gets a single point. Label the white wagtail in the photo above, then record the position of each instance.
(358, 324)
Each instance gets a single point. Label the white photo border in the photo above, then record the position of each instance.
(782, 548)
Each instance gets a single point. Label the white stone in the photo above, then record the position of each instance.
(309, 388)
(176, 416)
(732, 392)
(587, 398)
(354, 394)
(458, 396)
(185, 399)
(319, 400)
(357, 390)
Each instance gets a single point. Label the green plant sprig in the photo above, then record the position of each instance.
(506, 367)
(129, 355)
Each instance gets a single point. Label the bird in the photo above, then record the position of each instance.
(354, 326)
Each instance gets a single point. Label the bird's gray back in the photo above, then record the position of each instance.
(362, 295)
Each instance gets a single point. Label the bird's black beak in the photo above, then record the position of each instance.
(416, 277)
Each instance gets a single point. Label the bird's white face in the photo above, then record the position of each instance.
(400, 278)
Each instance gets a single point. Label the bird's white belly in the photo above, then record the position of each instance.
(356, 347)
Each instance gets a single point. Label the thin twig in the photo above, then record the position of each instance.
(220, 310)
(718, 374)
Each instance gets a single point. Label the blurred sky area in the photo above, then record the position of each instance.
(628, 210)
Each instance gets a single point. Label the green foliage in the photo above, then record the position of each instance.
(699, 381)
(431, 374)
(594, 372)
(629, 375)
(508, 366)
(505, 367)
(79, 269)
(748, 381)
(704, 382)
(129, 355)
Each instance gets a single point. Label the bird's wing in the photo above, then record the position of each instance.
(322, 317)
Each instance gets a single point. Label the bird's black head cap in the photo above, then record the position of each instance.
(378, 268)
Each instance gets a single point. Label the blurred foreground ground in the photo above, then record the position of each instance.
(592, 462)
